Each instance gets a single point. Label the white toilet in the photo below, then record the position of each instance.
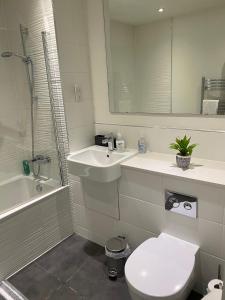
(161, 268)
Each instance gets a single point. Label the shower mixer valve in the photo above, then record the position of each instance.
(41, 159)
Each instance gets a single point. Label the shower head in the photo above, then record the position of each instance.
(8, 54)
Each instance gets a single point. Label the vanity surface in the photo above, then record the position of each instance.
(202, 170)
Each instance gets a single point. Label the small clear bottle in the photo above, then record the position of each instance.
(142, 145)
(120, 143)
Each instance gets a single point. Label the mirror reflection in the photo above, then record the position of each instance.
(166, 56)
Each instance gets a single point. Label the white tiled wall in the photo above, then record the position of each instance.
(72, 37)
(15, 114)
(72, 40)
(159, 138)
(13, 101)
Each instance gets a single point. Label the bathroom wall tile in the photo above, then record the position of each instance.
(206, 234)
(131, 136)
(152, 133)
(74, 178)
(181, 227)
(81, 137)
(11, 100)
(105, 128)
(90, 235)
(56, 218)
(141, 214)
(223, 244)
(93, 222)
(72, 38)
(210, 237)
(211, 200)
(69, 80)
(143, 186)
(168, 135)
(206, 270)
(74, 58)
(101, 197)
(135, 235)
(77, 192)
(71, 21)
(2, 15)
(224, 217)
(79, 114)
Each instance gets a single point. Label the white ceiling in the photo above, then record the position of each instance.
(144, 11)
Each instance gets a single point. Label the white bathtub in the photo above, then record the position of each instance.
(21, 192)
(31, 221)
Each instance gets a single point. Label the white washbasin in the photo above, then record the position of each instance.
(97, 163)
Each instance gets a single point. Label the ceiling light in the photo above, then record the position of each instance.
(160, 10)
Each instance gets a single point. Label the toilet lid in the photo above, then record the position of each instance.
(160, 269)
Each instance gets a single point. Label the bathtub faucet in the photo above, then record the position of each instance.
(36, 163)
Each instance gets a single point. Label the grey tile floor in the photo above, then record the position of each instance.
(76, 270)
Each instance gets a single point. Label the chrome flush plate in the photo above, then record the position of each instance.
(181, 204)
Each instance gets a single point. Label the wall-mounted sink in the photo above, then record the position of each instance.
(97, 163)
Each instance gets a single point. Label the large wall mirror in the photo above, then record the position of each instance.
(166, 56)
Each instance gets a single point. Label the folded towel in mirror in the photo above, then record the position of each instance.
(210, 107)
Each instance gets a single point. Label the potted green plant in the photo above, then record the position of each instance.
(185, 150)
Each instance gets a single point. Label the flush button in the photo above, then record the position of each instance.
(175, 202)
(187, 205)
(181, 204)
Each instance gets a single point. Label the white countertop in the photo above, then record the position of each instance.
(202, 170)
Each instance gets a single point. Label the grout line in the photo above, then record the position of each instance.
(139, 228)
(52, 291)
(78, 270)
(73, 290)
(49, 272)
(162, 206)
(162, 127)
(211, 255)
(141, 200)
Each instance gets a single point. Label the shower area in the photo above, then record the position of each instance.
(34, 193)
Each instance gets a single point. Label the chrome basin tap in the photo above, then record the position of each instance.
(109, 138)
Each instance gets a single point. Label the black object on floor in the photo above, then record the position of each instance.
(75, 269)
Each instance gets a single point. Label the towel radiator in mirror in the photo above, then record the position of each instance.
(209, 84)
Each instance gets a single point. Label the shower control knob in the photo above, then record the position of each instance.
(42, 159)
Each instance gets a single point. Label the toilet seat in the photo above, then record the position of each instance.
(161, 267)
